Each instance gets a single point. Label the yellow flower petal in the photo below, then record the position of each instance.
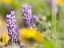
(60, 2)
(30, 35)
(0, 22)
(0, 0)
(7, 1)
(5, 38)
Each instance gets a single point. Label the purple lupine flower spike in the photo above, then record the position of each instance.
(26, 13)
(28, 19)
(13, 29)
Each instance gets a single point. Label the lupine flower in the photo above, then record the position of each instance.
(30, 36)
(26, 13)
(28, 19)
(13, 29)
(5, 38)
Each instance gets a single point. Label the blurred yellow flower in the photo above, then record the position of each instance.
(0, 0)
(0, 22)
(5, 38)
(30, 36)
(7, 1)
(60, 2)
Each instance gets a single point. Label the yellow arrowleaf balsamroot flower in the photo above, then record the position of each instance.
(30, 36)
(7, 1)
(0, 0)
(60, 2)
(0, 22)
(5, 38)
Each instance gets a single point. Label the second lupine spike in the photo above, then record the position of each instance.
(28, 19)
(26, 13)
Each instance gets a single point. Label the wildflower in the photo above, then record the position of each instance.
(33, 19)
(7, 1)
(28, 19)
(13, 29)
(30, 36)
(5, 38)
(59, 2)
(0, 22)
(0, 0)
(26, 13)
(50, 2)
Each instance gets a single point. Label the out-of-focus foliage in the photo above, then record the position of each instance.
(48, 44)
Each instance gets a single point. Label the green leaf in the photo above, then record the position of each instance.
(47, 44)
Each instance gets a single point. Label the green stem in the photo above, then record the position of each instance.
(61, 16)
(54, 36)
(53, 17)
